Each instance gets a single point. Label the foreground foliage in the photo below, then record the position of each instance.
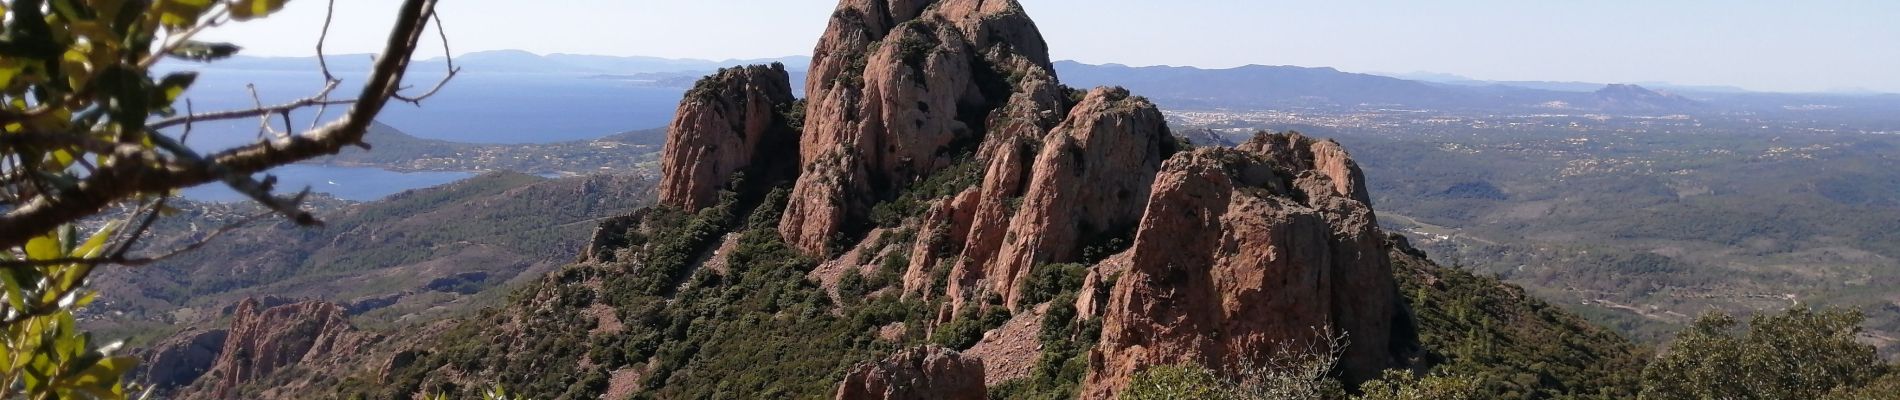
(1799, 354)
(80, 118)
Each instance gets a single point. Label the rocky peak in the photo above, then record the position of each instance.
(920, 373)
(1296, 152)
(1244, 253)
(262, 341)
(730, 122)
(899, 89)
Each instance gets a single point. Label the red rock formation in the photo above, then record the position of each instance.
(263, 341)
(894, 87)
(920, 373)
(1089, 182)
(728, 122)
(1244, 253)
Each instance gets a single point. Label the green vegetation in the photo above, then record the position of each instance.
(1302, 381)
(1179, 381)
(1049, 281)
(1066, 336)
(761, 330)
(1514, 345)
(968, 326)
(1799, 354)
(1066, 339)
(962, 174)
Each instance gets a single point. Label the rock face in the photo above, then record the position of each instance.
(1087, 185)
(1246, 252)
(728, 123)
(181, 359)
(920, 373)
(897, 89)
(262, 341)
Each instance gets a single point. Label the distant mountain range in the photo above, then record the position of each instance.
(520, 97)
(1256, 87)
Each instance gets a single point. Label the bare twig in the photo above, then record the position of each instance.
(320, 99)
(324, 36)
(183, 137)
(288, 129)
(263, 120)
(447, 58)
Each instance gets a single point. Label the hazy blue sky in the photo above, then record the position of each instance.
(1762, 45)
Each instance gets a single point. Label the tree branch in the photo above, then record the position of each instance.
(144, 171)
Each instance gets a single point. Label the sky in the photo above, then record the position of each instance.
(1807, 46)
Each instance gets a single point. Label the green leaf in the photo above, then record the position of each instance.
(44, 247)
(174, 85)
(243, 10)
(169, 89)
(15, 297)
(178, 14)
(63, 158)
(9, 68)
(204, 51)
(97, 242)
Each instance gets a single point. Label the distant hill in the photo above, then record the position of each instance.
(393, 149)
(1632, 97)
(518, 61)
(1259, 87)
(427, 251)
(1256, 85)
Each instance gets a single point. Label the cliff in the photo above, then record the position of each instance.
(730, 122)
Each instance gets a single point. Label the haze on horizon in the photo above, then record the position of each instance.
(1846, 45)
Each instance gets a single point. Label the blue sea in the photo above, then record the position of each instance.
(474, 108)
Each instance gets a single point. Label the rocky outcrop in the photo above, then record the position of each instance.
(1243, 253)
(919, 373)
(182, 358)
(898, 90)
(263, 341)
(1088, 185)
(729, 122)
